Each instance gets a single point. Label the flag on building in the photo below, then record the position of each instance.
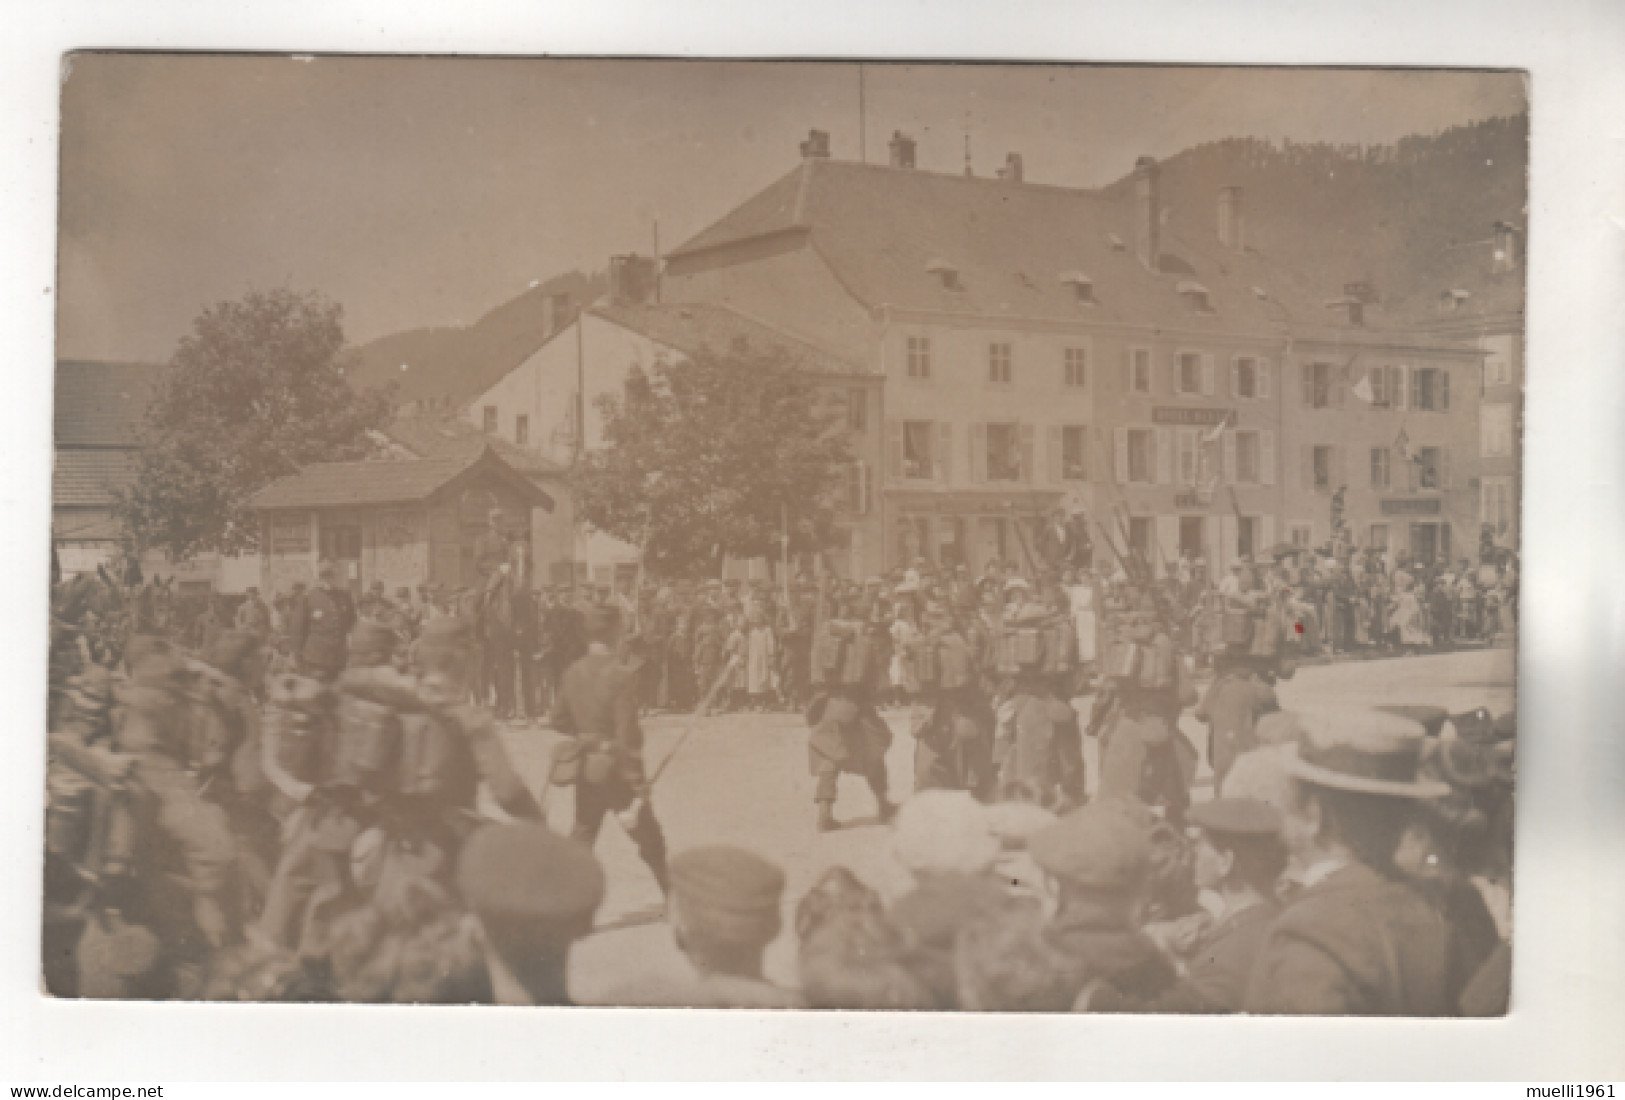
(1402, 445)
(1362, 389)
(1218, 429)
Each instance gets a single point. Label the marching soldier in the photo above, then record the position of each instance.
(596, 709)
(847, 733)
(953, 748)
(1142, 751)
(1039, 750)
(321, 621)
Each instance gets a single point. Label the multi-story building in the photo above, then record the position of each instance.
(549, 403)
(1046, 345)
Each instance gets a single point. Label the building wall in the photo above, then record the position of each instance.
(1500, 455)
(1354, 428)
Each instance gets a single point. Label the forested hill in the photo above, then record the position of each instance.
(455, 364)
(1332, 214)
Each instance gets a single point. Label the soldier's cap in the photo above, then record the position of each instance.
(1364, 752)
(1099, 847)
(525, 872)
(727, 885)
(944, 832)
(1237, 817)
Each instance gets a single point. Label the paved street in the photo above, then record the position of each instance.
(742, 779)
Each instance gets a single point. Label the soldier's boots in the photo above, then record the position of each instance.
(887, 808)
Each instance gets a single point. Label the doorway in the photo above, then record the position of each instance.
(1193, 536)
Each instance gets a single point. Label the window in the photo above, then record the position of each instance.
(521, 430)
(1189, 452)
(1003, 452)
(1323, 468)
(857, 410)
(1302, 534)
(491, 419)
(1247, 378)
(1381, 468)
(1188, 372)
(1247, 458)
(1074, 453)
(1497, 371)
(998, 364)
(1318, 385)
(1430, 468)
(1495, 430)
(1076, 363)
(1141, 456)
(1139, 370)
(1430, 389)
(1247, 540)
(1379, 536)
(917, 439)
(1139, 536)
(1497, 504)
(919, 357)
(857, 488)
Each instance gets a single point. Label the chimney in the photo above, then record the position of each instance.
(902, 150)
(1147, 212)
(631, 279)
(555, 313)
(1506, 246)
(1011, 172)
(1232, 219)
(816, 145)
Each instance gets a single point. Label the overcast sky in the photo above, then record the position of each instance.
(424, 192)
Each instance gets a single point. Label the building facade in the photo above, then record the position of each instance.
(1045, 347)
(549, 404)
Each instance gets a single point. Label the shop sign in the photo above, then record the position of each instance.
(1411, 506)
(1165, 414)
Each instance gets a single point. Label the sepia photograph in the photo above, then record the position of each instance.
(910, 536)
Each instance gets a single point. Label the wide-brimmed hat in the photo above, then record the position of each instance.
(1364, 752)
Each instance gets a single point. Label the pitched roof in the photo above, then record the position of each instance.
(454, 438)
(341, 484)
(1012, 246)
(103, 404)
(692, 327)
(84, 478)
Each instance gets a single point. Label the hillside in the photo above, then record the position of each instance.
(454, 364)
(1329, 214)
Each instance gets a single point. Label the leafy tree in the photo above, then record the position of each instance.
(254, 392)
(707, 457)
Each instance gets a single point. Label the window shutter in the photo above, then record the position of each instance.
(1263, 383)
(1207, 375)
(1415, 375)
(1307, 373)
(1227, 443)
(1229, 540)
(1340, 386)
(1444, 467)
(1053, 448)
(1402, 387)
(1444, 389)
(1235, 376)
(1167, 542)
(1267, 522)
(1029, 472)
(978, 453)
(1337, 480)
(1128, 370)
(864, 488)
(1120, 454)
(945, 452)
(1266, 457)
(1162, 440)
(1185, 440)
(894, 448)
(1308, 467)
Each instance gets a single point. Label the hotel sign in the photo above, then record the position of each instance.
(1411, 506)
(1165, 414)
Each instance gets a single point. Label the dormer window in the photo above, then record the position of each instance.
(945, 273)
(1116, 243)
(1195, 295)
(1260, 293)
(1352, 308)
(1452, 300)
(1083, 287)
